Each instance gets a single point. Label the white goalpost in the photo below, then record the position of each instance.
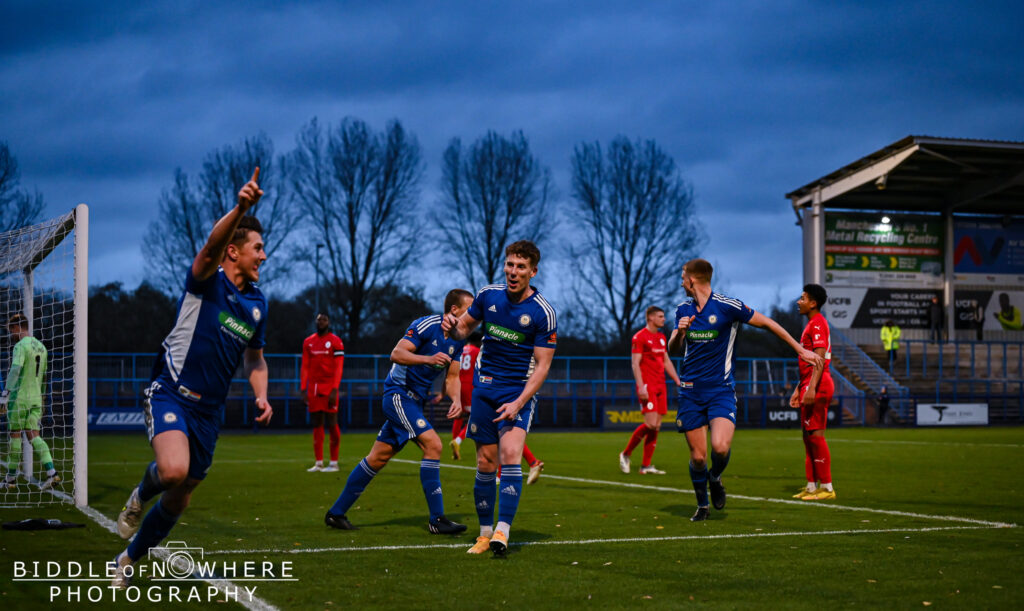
(44, 275)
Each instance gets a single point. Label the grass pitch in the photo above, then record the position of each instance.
(924, 517)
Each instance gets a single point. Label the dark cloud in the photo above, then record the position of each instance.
(100, 102)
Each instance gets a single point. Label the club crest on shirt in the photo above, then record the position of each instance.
(712, 319)
(327, 344)
(256, 314)
(524, 320)
(451, 350)
(472, 428)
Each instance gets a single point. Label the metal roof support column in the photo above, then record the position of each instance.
(949, 290)
(814, 241)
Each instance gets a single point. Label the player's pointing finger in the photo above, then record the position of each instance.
(255, 175)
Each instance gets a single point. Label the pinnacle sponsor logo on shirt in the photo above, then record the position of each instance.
(704, 335)
(553, 339)
(237, 327)
(500, 332)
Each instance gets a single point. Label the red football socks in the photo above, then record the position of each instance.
(649, 444)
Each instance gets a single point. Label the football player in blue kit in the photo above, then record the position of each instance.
(706, 325)
(519, 342)
(419, 357)
(221, 321)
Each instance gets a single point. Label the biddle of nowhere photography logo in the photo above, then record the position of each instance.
(173, 572)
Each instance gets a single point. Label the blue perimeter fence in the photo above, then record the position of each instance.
(580, 392)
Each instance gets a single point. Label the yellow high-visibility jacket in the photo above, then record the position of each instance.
(891, 337)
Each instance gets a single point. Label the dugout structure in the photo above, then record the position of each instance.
(44, 275)
(921, 217)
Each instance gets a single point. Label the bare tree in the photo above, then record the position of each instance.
(189, 209)
(494, 193)
(639, 226)
(358, 190)
(18, 208)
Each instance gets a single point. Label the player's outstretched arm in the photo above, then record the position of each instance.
(404, 354)
(542, 364)
(212, 253)
(762, 321)
(453, 388)
(459, 328)
(256, 371)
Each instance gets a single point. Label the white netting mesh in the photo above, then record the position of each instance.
(37, 272)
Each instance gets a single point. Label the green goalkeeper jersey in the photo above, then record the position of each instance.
(28, 369)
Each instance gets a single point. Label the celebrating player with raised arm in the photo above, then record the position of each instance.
(221, 321)
(813, 395)
(650, 364)
(706, 324)
(323, 359)
(519, 342)
(418, 359)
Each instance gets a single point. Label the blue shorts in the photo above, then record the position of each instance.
(405, 420)
(486, 401)
(699, 406)
(166, 412)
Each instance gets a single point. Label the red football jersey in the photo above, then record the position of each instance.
(323, 358)
(815, 336)
(651, 347)
(467, 371)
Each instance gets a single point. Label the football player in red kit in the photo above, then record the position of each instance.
(467, 369)
(813, 396)
(323, 357)
(650, 364)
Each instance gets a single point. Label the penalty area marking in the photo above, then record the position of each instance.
(376, 548)
(891, 512)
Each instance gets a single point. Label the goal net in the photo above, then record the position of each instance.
(43, 275)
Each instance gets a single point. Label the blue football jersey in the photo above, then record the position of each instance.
(511, 331)
(424, 333)
(215, 324)
(708, 357)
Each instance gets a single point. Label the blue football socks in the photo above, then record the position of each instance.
(700, 484)
(430, 478)
(357, 482)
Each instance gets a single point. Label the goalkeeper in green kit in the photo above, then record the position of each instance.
(23, 402)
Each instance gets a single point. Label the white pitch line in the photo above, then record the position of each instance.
(892, 512)
(374, 548)
(256, 604)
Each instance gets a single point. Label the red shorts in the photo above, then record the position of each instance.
(657, 400)
(318, 395)
(815, 417)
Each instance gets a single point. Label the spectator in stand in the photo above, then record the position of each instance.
(935, 320)
(891, 341)
(979, 320)
(882, 401)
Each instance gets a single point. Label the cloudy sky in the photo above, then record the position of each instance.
(100, 102)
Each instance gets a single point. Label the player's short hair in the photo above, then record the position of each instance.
(651, 310)
(700, 269)
(525, 249)
(247, 224)
(18, 320)
(475, 338)
(817, 293)
(324, 314)
(455, 297)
